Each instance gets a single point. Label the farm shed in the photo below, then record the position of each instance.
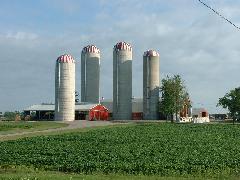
(45, 111)
(200, 115)
(98, 112)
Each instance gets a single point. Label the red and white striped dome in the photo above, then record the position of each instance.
(65, 58)
(123, 46)
(151, 53)
(91, 49)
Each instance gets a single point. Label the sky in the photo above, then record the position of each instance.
(192, 41)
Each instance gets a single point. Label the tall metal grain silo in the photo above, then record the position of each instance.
(122, 81)
(90, 74)
(150, 85)
(65, 88)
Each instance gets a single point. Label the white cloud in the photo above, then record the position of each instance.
(22, 36)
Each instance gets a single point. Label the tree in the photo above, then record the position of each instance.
(174, 96)
(231, 101)
(10, 116)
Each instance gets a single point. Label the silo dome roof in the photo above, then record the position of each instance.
(123, 46)
(91, 49)
(65, 58)
(151, 53)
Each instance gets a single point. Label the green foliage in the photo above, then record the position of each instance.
(10, 115)
(231, 101)
(174, 95)
(155, 149)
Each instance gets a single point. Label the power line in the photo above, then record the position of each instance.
(216, 12)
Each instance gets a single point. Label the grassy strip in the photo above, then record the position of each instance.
(23, 126)
(22, 172)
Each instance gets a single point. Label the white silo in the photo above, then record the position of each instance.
(151, 85)
(122, 81)
(65, 88)
(90, 74)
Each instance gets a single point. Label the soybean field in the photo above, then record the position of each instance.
(161, 149)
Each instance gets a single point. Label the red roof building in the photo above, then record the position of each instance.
(98, 112)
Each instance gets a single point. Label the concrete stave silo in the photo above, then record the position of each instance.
(122, 81)
(65, 88)
(151, 85)
(90, 74)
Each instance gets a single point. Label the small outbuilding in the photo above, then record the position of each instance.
(98, 112)
(200, 115)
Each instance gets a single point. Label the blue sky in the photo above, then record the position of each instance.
(191, 40)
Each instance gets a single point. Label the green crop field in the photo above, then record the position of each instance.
(7, 127)
(163, 149)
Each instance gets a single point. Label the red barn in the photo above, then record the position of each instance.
(98, 112)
